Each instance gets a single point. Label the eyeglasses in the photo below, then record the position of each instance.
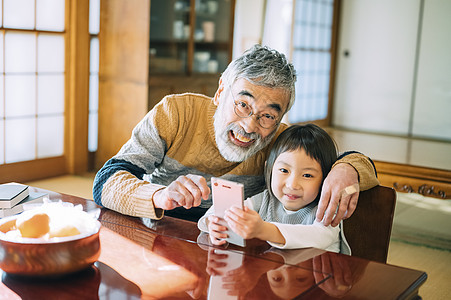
(244, 110)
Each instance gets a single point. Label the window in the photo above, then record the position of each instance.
(94, 25)
(311, 56)
(32, 79)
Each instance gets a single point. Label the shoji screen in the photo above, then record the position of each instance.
(94, 26)
(312, 57)
(32, 75)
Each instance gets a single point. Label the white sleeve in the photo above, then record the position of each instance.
(304, 236)
(248, 202)
(202, 223)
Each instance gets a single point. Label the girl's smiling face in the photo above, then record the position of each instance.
(296, 179)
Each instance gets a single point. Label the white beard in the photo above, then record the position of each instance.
(229, 150)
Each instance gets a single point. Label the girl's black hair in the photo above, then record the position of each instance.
(315, 141)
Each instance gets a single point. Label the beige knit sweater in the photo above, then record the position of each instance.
(177, 138)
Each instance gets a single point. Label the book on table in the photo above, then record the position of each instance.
(27, 203)
(12, 193)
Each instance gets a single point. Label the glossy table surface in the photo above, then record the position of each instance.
(169, 258)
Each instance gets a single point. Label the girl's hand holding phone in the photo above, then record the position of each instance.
(216, 231)
(246, 222)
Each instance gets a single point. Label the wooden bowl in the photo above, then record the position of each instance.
(37, 257)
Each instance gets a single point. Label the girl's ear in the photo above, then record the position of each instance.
(218, 92)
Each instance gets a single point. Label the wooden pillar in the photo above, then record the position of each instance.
(77, 86)
(123, 72)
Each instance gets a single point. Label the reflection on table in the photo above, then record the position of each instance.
(169, 258)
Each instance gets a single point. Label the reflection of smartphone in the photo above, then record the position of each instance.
(225, 195)
(216, 289)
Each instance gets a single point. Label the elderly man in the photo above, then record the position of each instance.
(187, 139)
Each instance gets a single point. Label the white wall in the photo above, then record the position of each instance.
(373, 88)
(255, 24)
(277, 25)
(432, 110)
(387, 84)
(248, 26)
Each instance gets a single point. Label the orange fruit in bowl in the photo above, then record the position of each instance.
(33, 226)
(67, 230)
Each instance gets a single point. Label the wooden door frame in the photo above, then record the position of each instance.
(333, 62)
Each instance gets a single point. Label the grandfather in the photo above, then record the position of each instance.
(186, 139)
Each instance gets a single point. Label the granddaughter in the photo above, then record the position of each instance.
(284, 213)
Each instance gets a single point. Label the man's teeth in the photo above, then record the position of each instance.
(241, 138)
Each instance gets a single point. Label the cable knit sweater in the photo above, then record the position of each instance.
(177, 138)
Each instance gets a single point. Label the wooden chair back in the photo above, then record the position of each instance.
(368, 230)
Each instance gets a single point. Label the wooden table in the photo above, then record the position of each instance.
(147, 259)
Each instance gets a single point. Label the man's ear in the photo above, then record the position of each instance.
(218, 92)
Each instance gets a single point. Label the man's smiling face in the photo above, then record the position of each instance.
(239, 138)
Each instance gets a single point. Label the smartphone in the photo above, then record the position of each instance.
(225, 195)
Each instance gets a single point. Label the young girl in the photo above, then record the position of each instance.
(284, 213)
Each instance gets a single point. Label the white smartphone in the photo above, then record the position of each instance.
(225, 195)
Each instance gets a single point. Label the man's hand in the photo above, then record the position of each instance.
(187, 191)
(335, 194)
